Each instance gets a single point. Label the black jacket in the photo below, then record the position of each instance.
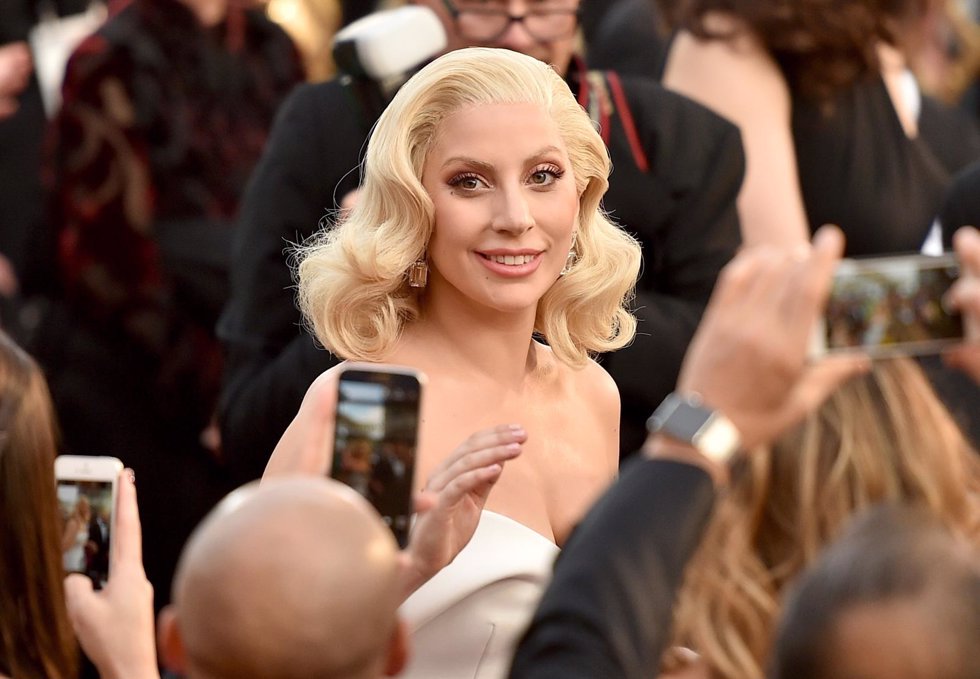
(682, 209)
(607, 612)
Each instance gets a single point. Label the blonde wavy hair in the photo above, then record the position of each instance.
(883, 437)
(353, 288)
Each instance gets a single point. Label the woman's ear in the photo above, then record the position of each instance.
(173, 655)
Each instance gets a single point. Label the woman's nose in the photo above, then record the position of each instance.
(512, 212)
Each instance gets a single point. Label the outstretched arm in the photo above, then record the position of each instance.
(740, 81)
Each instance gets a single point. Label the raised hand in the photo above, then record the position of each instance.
(748, 358)
(449, 506)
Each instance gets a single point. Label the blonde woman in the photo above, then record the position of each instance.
(478, 254)
(883, 437)
(75, 538)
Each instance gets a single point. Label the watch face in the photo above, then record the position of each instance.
(710, 432)
(687, 422)
(679, 419)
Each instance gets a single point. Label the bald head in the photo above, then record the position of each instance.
(294, 578)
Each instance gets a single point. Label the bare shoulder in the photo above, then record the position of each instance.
(726, 75)
(598, 386)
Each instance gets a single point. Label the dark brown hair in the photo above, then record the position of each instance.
(36, 639)
(821, 46)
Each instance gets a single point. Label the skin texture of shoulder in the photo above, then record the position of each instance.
(602, 394)
(739, 80)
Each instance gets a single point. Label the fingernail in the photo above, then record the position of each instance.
(131, 475)
(517, 430)
(514, 447)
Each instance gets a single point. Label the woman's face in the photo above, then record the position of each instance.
(506, 205)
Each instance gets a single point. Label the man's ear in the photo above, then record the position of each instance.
(397, 653)
(172, 653)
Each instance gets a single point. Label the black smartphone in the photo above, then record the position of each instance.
(891, 306)
(376, 438)
(87, 500)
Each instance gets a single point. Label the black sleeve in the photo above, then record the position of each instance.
(961, 206)
(683, 210)
(607, 612)
(310, 162)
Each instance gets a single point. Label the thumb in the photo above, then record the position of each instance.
(78, 593)
(424, 500)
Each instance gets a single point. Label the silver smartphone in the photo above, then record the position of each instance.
(891, 306)
(87, 488)
(376, 438)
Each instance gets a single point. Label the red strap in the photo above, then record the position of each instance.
(639, 155)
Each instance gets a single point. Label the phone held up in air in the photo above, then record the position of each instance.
(87, 488)
(376, 438)
(890, 306)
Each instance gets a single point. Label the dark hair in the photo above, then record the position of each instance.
(36, 639)
(821, 46)
(890, 553)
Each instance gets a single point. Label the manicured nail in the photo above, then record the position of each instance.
(131, 475)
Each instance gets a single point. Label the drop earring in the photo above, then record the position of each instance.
(418, 274)
(571, 258)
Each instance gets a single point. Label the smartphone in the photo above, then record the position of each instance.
(376, 438)
(87, 499)
(891, 306)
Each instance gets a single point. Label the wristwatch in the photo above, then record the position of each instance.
(685, 418)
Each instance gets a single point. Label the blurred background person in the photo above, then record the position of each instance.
(74, 542)
(165, 110)
(22, 125)
(834, 125)
(35, 635)
(898, 595)
(883, 437)
(836, 129)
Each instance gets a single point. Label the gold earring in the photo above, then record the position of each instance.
(418, 274)
(571, 258)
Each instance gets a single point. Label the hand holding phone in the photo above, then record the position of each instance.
(376, 438)
(87, 488)
(115, 626)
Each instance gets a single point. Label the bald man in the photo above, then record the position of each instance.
(262, 589)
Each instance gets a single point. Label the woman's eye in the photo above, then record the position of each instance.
(546, 176)
(467, 182)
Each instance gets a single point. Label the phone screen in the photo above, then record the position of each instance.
(86, 519)
(892, 305)
(375, 441)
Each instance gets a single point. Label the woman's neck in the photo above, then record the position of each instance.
(474, 340)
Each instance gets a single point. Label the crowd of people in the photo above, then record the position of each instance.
(607, 261)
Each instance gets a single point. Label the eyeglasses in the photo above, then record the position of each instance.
(481, 23)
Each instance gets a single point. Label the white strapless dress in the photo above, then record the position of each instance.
(466, 621)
